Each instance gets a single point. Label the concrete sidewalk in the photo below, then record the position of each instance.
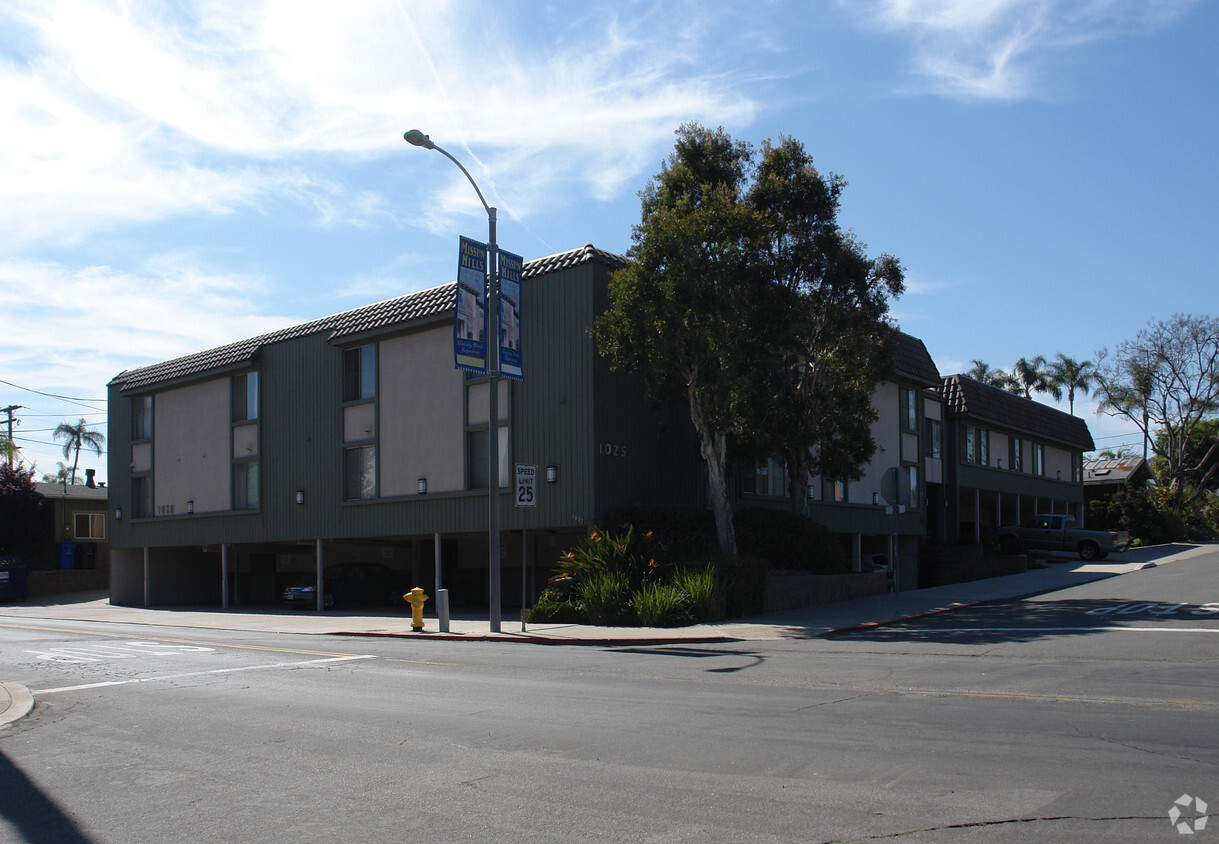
(807, 622)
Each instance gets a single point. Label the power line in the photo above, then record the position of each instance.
(77, 400)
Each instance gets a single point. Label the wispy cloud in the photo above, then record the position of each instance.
(999, 49)
(139, 111)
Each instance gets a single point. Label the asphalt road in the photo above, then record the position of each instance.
(1082, 715)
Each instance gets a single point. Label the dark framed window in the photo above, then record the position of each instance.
(141, 418)
(909, 409)
(836, 491)
(934, 444)
(1038, 459)
(245, 397)
(90, 525)
(909, 486)
(1016, 455)
(360, 373)
(141, 496)
(359, 473)
(245, 485)
(767, 477)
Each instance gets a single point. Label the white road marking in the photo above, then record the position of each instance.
(201, 674)
(883, 629)
(101, 652)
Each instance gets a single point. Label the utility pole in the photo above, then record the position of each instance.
(9, 411)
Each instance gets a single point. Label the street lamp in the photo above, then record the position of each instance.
(417, 138)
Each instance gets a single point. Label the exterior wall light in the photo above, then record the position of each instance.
(876, 499)
(552, 474)
(118, 514)
(300, 496)
(190, 506)
(423, 486)
(811, 491)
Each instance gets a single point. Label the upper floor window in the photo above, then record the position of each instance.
(1038, 459)
(933, 445)
(1016, 455)
(909, 409)
(909, 486)
(837, 491)
(984, 447)
(141, 496)
(245, 396)
(360, 373)
(141, 418)
(977, 446)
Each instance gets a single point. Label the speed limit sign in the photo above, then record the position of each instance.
(525, 476)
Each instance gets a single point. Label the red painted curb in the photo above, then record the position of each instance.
(525, 638)
(868, 625)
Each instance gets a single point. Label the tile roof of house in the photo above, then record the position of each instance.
(966, 396)
(402, 309)
(914, 361)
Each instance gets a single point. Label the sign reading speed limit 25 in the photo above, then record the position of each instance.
(525, 477)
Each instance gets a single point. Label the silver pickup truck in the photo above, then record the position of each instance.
(1059, 533)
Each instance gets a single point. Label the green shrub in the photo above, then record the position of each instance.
(704, 591)
(788, 540)
(662, 605)
(743, 580)
(625, 551)
(606, 597)
(557, 612)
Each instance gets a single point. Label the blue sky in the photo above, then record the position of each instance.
(174, 176)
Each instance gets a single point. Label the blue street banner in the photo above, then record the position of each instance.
(510, 269)
(470, 323)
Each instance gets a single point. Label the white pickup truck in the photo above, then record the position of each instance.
(1059, 533)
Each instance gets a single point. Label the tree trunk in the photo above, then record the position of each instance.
(714, 447)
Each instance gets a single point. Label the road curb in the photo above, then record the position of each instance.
(17, 702)
(869, 625)
(526, 638)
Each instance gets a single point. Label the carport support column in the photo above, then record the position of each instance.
(977, 516)
(224, 576)
(321, 596)
(857, 552)
(147, 575)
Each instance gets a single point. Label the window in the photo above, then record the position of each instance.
(909, 409)
(141, 418)
(90, 525)
(245, 485)
(359, 473)
(1038, 459)
(977, 446)
(245, 397)
(476, 448)
(983, 447)
(837, 491)
(141, 497)
(1016, 455)
(970, 445)
(769, 477)
(360, 373)
(935, 439)
(909, 486)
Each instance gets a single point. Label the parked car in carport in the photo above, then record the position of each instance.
(351, 584)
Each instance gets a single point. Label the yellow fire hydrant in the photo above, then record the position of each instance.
(416, 599)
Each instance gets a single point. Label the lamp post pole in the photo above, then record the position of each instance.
(417, 138)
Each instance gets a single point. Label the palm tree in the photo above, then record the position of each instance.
(60, 477)
(982, 371)
(8, 450)
(1029, 376)
(1073, 375)
(76, 437)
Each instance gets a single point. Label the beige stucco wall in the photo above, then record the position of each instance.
(886, 431)
(245, 440)
(141, 457)
(421, 404)
(360, 421)
(191, 448)
(1057, 460)
(479, 408)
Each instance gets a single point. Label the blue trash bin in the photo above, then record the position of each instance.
(67, 554)
(12, 579)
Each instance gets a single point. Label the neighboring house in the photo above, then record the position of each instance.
(77, 516)
(1009, 458)
(907, 467)
(354, 438)
(1103, 477)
